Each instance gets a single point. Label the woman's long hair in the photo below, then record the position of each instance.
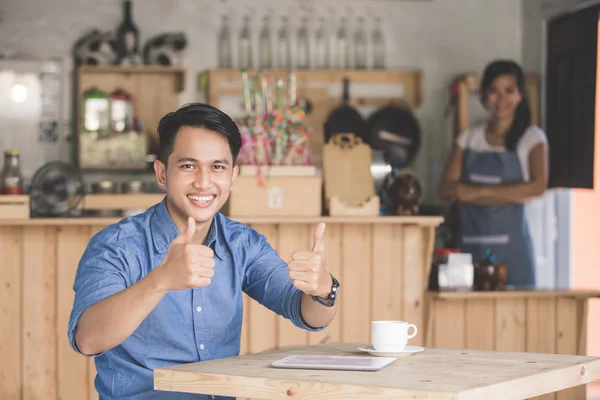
(522, 118)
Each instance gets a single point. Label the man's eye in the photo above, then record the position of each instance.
(187, 166)
(220, 167)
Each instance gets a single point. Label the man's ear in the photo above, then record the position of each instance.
(236, 170)
(160, 170)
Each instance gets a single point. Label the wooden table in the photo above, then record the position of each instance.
(431, 374)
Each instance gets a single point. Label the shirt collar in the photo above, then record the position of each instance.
(164, 230)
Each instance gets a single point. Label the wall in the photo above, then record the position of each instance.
(442, 37)
(584, 210)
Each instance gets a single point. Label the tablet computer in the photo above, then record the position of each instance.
(343, 363)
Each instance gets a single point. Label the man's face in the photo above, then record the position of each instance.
(198, 176)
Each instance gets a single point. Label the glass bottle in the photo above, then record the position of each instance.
(264, 49)
(224, 45)
(303, 45)
(11, 180)
(360, 45)
(342, 54)
(245, 45)
(284, 53)
(128, 37)
(322, 45)
(378, 46)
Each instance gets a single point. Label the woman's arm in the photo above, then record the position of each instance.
(512, 193)
(451, 179)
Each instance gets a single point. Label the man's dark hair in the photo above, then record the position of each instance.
(197, 115)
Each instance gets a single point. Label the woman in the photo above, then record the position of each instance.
(494, 169)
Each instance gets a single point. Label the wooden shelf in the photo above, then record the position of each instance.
(506, 294)
(323, 88)
(141, 69)
(155, 90)
(424, 221)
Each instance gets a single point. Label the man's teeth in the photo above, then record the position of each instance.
(201, 198)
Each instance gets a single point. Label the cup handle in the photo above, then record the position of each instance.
(414, 331)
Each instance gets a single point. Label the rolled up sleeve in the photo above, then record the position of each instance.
(102, 271)
(267, 281)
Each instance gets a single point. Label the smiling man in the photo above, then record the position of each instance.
(165, 287)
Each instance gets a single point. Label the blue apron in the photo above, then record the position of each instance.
(501, 228)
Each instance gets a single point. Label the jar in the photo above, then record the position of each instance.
(11, 180)
(440, 257)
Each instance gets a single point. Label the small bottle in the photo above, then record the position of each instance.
(322, 46)
(303, 45)
(224, 45)
(284, 52)
(264, 48)
(245, 45)
(342, 53)
(378, 46)
(128, 38)
(360, 45)
(11, 180)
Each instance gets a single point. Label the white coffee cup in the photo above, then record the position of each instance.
(391, 335)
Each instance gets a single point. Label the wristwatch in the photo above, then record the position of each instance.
(333, 294)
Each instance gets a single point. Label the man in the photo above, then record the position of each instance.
(165, 287)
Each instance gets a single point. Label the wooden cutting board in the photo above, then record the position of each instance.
(347, 170)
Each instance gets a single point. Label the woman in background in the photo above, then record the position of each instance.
(494, 169)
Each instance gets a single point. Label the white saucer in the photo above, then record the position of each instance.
(408, 350)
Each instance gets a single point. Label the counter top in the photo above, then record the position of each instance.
(465, 295)
(416, 220)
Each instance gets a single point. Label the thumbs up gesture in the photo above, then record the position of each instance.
(187, 264)
(307, 268)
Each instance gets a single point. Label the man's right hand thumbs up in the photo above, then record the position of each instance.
(187, 264)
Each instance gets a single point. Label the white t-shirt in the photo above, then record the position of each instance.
(477, 142)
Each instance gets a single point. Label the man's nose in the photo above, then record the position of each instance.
(202, 179)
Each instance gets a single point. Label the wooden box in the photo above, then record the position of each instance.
(286, 191)
(14, 206)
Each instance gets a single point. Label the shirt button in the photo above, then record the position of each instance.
(198, 309)
(201, 347)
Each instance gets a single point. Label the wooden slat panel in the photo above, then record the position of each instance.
(413, 280)
(386, 297)
(356, 256)
(244, 336)
(480, 323)
(541, 330)
(449, 324)
(510, 324)
(333, 259)
(261, 320)
(11, 312)
(73, 378)
(566, 341)
(93, 394)
(292, 238)
(39, 313)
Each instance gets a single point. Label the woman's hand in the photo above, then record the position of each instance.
(468, 193)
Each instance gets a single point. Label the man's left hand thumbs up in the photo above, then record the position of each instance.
(307, 268)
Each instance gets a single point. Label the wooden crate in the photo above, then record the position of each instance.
(295, 193)
(14, 206)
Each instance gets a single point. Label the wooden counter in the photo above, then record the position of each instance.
(540, 321)
(382, 264)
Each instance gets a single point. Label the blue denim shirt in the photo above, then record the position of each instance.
(186, 326)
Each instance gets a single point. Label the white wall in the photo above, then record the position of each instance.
(442, 37)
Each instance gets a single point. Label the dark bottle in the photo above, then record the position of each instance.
(128, 38)
(11, 180)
